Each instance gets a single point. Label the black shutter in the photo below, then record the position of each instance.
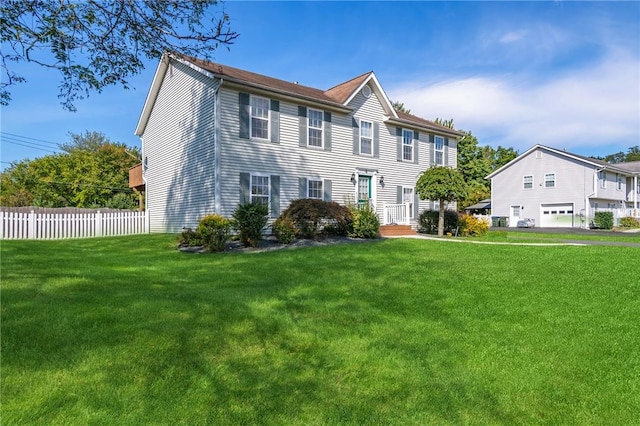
(399, 194)
(376, 140)
(432, 150)
(302, 126)
(327, 131)
(275, 121)
(326, 187)
(416, 148)
(302, 188)
(245, 188)
(446, 151)
(399, 143)
(244, 115)
(356, 136)
(275, 195)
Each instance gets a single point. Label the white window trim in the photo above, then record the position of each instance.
(524, 182)
(618, 182)
(441, 150)
(251, 176)
(321, 128)
(555, 180)
(251, 117)
(602, 180)
(360, 138)
(412, 145)
(315, 179)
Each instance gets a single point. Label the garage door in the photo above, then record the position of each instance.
(556, 215)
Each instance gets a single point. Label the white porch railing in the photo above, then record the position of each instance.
(399, 214)
(47, 226)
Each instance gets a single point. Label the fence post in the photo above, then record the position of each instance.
(98, 224)
(31, 225)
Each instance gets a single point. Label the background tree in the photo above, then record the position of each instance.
(443, 184)
(92, 172)
(633, 154)
(399, 106)
(446, 123)
(98, 43)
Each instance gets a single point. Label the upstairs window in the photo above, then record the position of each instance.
(314, 189)
(407, 145)
(527, 182)
(618, 181)
(315, 127)
(550, 180)
(439, 145)
(602, 177)
(366, 138)
(259, 118)
(260, 189)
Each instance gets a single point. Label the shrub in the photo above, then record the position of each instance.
(629, 222)
(215, 232)
(428, 220)
(250, 221)
(284, 229)
(189, 238)
(603, 220)
(365, 222)
(473, 226)
(314, 217)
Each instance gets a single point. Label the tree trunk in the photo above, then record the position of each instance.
(441, 219)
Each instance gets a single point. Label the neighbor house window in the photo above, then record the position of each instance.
(439, 145)
(366, 137)
(315, 127)
(407, 145)
(602, 176)
(260, 189)
(259, 118)
(314, 189)
(550, 180)
(618, 181)
(527, 182)
(407, 197)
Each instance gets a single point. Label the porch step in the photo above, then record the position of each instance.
(396, 230)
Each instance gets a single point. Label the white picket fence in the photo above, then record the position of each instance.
(49, 226)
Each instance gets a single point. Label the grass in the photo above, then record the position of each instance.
(540, 237)
(130, 331)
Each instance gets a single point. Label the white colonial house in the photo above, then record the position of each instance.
(215, 136)
(560, 189)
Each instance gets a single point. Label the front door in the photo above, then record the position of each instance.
(364, 190)
(515, 216)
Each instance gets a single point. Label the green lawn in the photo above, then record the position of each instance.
(130, 331)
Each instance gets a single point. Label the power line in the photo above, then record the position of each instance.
(14, 136)
(27, 144)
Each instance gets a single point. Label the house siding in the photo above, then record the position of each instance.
(179, 150)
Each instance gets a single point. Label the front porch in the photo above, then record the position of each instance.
(396, 220)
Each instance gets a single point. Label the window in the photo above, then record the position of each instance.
(550, 180)
(618, 181)
(638, 188)
(527, 182)
(314, 189)
(407, 145)
(260, 189)
(315, 127)
(515, 211)
(439, 145)
(366, 137)
(602, 176)
(259, 118)
(407, 197)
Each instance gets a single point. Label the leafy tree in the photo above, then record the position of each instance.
(443, 184)
(633, 154)
(446, 123)
(399, 106)
(88, 174)
(94, 44)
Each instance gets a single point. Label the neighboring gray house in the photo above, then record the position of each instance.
(214, 136)
(561, 189)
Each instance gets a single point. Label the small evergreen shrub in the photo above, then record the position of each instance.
(215, 232)
(473, 226)
(312, 217)
(629, 222)
(603, 220)
(250, 221)
(284, 229)
(189, 238)
(365, 222)
(428, 220)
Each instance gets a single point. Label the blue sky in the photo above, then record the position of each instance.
(563, 74)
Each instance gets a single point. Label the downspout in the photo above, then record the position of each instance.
(593, 194)
(147, 219)
(217, 205)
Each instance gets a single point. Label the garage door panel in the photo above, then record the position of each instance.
(556, 215)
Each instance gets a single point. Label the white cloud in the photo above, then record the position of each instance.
(582, 109)
(513, 36)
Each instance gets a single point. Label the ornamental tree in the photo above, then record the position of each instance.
(443, 184)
